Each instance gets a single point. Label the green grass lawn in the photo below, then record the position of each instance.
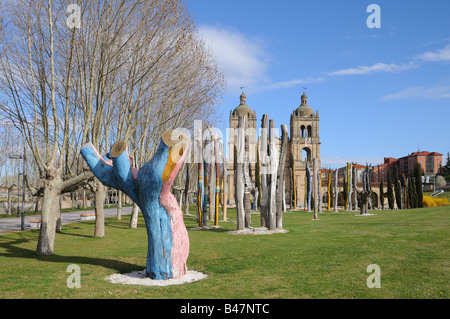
(327, 258)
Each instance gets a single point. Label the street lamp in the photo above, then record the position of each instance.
(23, 158)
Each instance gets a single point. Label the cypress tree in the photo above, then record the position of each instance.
(382, 193)
(413, 191)
(397, 188)
(418, 184)
(390, 191)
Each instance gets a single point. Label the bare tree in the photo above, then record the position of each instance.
(121, 73)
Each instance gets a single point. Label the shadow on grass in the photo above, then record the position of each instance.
(10, 247)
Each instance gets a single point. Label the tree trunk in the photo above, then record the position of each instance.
(186, 190)
(59, 218)
(9, 201)
(84, 199)
(280, 177)
(134, 216)
(49, 214)
(119, 205)
(99, 211)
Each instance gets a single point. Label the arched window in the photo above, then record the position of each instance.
(306, 154)
(309, 131)
(302, 131)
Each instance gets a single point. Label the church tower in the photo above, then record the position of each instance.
(251, 140)
(305, 144)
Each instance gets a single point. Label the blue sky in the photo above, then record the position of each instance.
(380, 92)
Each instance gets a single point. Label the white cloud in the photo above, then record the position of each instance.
(243, 60)
(425, 92)
(440, 55)
(294, 82)
(375, 68)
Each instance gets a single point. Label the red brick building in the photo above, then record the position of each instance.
(429, 161)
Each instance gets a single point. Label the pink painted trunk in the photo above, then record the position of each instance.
(180, 238)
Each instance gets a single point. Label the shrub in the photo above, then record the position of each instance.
(429, 201)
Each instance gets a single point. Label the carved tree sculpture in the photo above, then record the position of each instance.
(308, 187)
(149, 188)
(316, 170)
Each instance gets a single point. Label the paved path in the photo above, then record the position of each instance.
(13, 223)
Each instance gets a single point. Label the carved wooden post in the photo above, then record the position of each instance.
(355, 190)
(200, 184)
(349, 185)
(149, 187)
(316, 185)
(280, 176)
(273, 176)
(329, 191)
(264, 171)
(239, 185)
(336, 190)
(205, 192)
(247, 183)
(225, 185)
(308, 187)
(319, 190)
(294, 182)
(216, 151)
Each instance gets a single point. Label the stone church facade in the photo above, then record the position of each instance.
(304, 145)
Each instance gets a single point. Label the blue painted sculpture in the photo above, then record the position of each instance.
(149, 188)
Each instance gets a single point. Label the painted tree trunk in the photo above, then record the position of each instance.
(280, 177)
(149, 188)
(216, 211)
(212, 184)
(200, 183)
(205, 193)
(239, 185)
